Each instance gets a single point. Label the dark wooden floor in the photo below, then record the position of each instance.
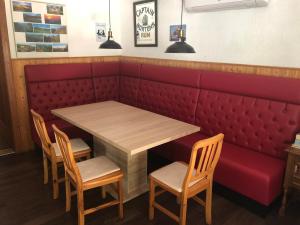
(24, 200)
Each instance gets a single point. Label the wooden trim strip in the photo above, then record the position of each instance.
(224, 67)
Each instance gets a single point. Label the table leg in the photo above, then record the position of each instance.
(134, 168)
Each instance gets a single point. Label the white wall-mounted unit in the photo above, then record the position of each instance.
(216, 5)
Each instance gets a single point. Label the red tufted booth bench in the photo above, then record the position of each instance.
(259, 115)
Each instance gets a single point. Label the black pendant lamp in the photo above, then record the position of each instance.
(180, 46)
(110, 44)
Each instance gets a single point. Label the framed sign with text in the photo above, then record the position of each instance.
(145, 23)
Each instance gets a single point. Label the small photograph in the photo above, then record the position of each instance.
(26, 47)
(55, 9)
(23, 27)
(100, 32)
(34, 37)
(22, 6)
(41, 28)
(44, 47)
(51, 38)
(52, 19)
(58, 29)
(60, 47)
(32, 17)
(174, 32)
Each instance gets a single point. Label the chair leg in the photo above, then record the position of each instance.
(183, 209)
(151, 199)
(120, 193)
(46, 172)
(208, 204)
(80, 202)
(68, 192)
(55, 180)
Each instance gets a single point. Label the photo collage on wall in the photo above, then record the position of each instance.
(40, 28)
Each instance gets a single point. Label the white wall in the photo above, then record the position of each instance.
(259, 36)
(81, 18)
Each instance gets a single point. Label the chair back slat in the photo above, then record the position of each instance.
(41, 130)
(64, 145)
(208, 152)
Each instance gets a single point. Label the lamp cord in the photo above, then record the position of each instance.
(181, 14)
(109, 15)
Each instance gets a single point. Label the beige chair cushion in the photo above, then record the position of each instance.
(96, 168)
(77, 146)
(173, 175)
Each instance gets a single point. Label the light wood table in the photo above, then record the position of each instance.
(124, 134)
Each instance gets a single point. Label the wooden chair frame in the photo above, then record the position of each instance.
(49, 153)
(72, 176)
(203, 173)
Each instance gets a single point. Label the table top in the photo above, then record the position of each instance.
(127, 128)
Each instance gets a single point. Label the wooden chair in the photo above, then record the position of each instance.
(186, 181)
(96, 172)
(52, 153)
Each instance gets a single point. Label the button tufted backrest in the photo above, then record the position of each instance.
(106, 80)
(268, 87)
(169, 91)
(129, 82)
(58, 85)
(250, 111)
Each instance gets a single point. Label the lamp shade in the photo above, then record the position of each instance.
(180, 47)
(110, 44)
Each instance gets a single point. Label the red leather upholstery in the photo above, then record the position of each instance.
(261, 125)
(273, 88)
(129, 82)
(106, 80)
(255, 175)
(164, 90)
(56, 86)
(258, 115)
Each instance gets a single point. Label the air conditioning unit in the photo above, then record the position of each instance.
(216, 5)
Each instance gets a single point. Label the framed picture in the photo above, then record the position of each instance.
(40, 29)
(175, 30)
(145, 23)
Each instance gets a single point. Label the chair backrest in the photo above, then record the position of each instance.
(41, 130)
(204, 158)
(64, 145)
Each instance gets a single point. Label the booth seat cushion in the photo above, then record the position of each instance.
(261, 125)
(70, 130)
(129, 82)
(253, 174)
(106, 80)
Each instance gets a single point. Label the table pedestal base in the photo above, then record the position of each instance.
(134, 168)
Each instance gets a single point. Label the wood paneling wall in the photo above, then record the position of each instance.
(24, 138)
(235, 68)
(7, 125)
(24, 141)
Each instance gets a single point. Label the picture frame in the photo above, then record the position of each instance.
(40, 29)
(145, 23)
